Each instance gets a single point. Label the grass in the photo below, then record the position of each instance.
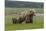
(37, 23)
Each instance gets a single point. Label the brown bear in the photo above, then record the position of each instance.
(28, 16)
(19, 20)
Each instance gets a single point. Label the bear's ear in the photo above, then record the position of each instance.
(30, 11)
(34, 15)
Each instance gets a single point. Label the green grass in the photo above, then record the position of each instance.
(37, 23)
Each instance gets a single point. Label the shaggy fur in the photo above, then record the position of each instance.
(26, 16)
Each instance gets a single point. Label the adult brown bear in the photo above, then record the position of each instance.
(28, 16)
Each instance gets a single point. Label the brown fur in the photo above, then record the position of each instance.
(26, 16)
(29, 16)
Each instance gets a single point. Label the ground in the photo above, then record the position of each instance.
(38, 21)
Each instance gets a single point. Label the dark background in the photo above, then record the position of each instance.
(19, 4)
